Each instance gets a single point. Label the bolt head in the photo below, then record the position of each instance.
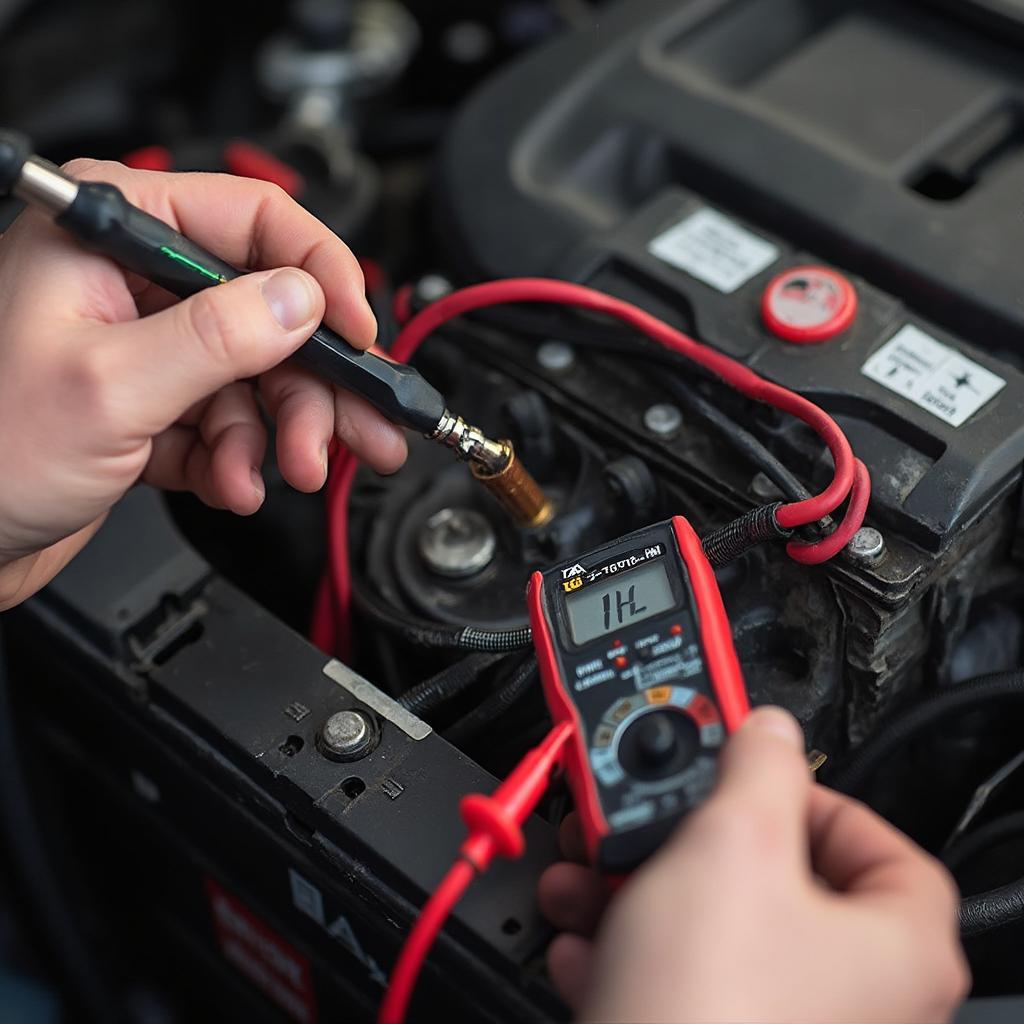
(432, 287)
(556, 356)
(346, 735)
(866, 545)
(457, 542)
(663, 420)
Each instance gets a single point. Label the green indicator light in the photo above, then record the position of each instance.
(168, 251)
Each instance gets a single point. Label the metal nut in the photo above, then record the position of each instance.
(663, 420)
(347, 736)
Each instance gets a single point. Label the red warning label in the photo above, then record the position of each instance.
(279, 970)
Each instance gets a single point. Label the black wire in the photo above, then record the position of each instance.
(523, 677)
(900, 729)
(36, 876)
(545, 324)
(450, 682)
(424, 633)
(991, 910)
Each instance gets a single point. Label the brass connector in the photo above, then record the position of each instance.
(518, 492)
(495, 465)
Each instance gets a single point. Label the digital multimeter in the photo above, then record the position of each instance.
(636, 651)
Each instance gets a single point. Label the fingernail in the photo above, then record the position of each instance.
(779, 723)
(257, 484)
(290, 298)
(323, 461)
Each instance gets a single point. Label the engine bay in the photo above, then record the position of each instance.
(826, 193)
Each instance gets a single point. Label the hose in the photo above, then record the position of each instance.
(906, 725)
(984, 837)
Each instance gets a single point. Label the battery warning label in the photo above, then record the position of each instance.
(715, 250)
(932, 375)
(274, 966)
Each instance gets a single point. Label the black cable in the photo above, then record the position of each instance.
(36, 877)
(759, 525)
(991, 910)
(544, 324)
(523, 677)
(986, 836)
(424, 633)
(450, 682)
(898, 730)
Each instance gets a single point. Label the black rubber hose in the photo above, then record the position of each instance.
(906, 725)
(991, 910)
(450, 682)
(992, 833)
(38, 880)
(498, 703)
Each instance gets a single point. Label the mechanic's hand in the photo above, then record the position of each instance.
(777, 901)
(106, 379)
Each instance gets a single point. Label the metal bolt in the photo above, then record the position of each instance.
(556, 356)
(457, 542)
(432, 287)
(663, 420)
(764, 488)
(867, 545)
(346, 735)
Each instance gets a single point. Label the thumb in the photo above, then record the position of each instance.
(163, 364)
(764, 780)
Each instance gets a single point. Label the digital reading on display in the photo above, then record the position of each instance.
(620, 601)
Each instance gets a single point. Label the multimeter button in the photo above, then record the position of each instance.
(808, 304)
(621, 661)
(676, 630)
(659, 744)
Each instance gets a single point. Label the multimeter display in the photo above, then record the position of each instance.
(621, 601)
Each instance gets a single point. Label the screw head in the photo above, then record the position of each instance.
(346, 736)
(556, 356)
(457, 542)
(663, 420)
(866, 545)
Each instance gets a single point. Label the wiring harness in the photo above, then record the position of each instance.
(850, 481)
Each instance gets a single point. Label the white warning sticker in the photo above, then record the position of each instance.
(932, 375)
(714, 249)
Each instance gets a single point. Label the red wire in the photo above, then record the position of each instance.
(823, 550)
(430, 922)
(738, 376)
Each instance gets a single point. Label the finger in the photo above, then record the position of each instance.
(855, 851)
(573, 898)
(147, 373)
(256, 226)
(763, 788)
(570, 839)
(363, 430)
(233, 432)
(180, 461)
(303, 407)
(570, 960)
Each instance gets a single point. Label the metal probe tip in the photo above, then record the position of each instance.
(495, 465)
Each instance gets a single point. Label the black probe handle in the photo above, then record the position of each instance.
(107, 223)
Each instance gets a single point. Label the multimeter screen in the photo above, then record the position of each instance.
(619, 601)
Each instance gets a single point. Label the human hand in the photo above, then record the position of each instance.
(105, 379)
(777, 901)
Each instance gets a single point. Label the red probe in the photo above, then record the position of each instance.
(495, 830)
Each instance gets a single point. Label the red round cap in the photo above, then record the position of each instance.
(808, 304)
